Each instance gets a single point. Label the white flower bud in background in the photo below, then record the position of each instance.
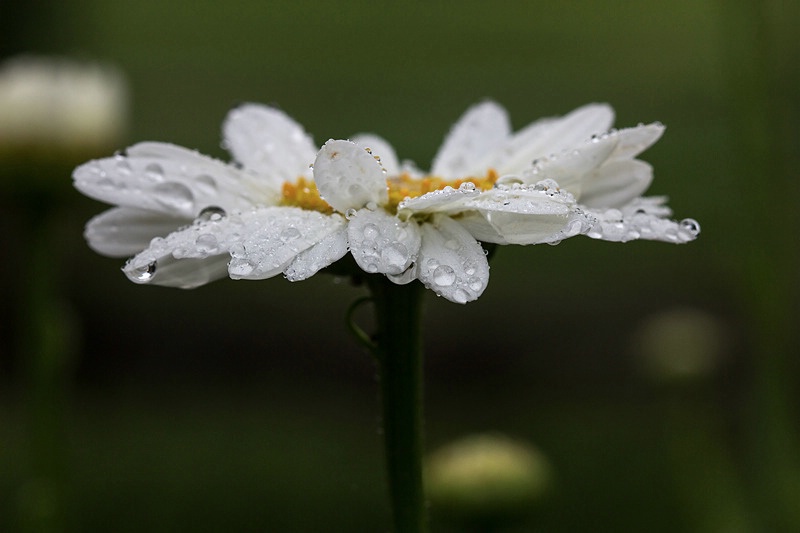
(486, 479)
(58, 107)
(680, 345)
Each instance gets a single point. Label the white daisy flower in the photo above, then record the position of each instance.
(266, 215)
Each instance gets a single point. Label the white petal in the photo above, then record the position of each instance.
(643, 218)
(616, 183)
(347, 176)
(269, 142)
(381, 149)
(447, 200)
(124, 231)
(526, 215)
(273, 238)
(261, 243)
(381, 243)
(633, 141)
(324, 253)
(551, 136)
(451, 263)
(480, 131)
(168, 179)
(181, 273)
(569, 168)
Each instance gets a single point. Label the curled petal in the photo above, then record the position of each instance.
(268, 141)
(123, 231)
(480, 131)
(616, 183)
(381, 243)
(451, 263)
(169, 179)
(347, 176)
(525, 215)
(551, 136)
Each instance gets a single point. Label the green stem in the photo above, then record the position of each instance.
(398, 347)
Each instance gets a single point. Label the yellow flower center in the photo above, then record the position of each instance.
(304, 194)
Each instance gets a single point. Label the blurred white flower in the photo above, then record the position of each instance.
(486, 478)
(58, 105)
(266, 215)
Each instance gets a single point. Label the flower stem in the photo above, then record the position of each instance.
(398, 347)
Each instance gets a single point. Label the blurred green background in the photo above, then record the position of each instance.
(659, 381)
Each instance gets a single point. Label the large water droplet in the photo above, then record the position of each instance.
(289, 234)
(206, 184)
(124, 166)
(174, 196)
(206, 244)
(461, 296)
(444, 276)
(394, 257)
(691, 225)
(144, 273)
(371, 231)
(240, 267)
(154, 172)
(211, 213)
(475, 284)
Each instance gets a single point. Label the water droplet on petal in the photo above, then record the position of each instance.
(240, 267)
(467, 186)
(475, 284)
(206, 184)
(289, 234)
(174, 196)
(124, 166)
(207, 244)
(154, 172)
(350, 213)
(211, 213)
(461, 296)
(371, 231)
(691, 225)
(444, 276)
(394, 257)
(144, 273)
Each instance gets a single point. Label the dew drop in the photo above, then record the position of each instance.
(691, 225)
(350, 213)
(289, 234)
(211, 213)
(237, 250)
(467, 186)
(394, 257)
(206, 184)
(175, 196)
(371, 231)
(144, 273)
(444, 276)
(124, 166)
(240, 267)
(206, 244)
(475, 284)
(154, 172)
(461, 296)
